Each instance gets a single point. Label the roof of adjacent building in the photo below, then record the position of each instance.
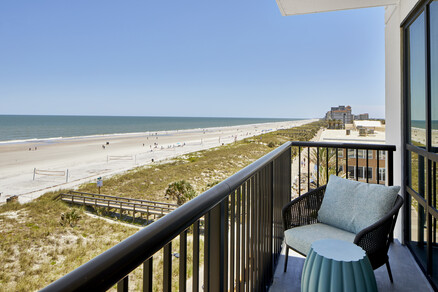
(341, 136)
(367, 124)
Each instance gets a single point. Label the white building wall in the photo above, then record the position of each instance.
(393, 95)
(394, 15)
(406, 6)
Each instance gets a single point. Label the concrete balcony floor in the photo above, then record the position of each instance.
(405, 271)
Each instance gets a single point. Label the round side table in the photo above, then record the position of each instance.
(337, 265)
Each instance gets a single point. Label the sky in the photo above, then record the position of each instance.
(201, 58)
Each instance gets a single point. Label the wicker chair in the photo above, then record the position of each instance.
(374, 239)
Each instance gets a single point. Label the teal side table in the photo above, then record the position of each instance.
(337, 265)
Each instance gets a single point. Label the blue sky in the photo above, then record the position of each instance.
(188, 58)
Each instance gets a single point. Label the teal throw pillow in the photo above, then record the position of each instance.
(353, 206)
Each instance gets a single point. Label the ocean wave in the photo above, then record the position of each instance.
(132, 134)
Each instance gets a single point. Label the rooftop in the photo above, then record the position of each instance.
(329, 135)
(366, 123)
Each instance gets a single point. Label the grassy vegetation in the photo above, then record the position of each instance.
(35, 249)
(38, 247)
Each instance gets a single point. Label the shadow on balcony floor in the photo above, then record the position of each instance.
(406, 273)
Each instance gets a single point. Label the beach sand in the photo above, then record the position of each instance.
(419, 135)
(86, 159)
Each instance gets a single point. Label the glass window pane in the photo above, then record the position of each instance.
(434, 225)
(382, 155)
(417, 79)
(370, 173)
(417, 173)
(418, 231)
(434, 185)
(434, 70)
(360, 172)
(382, 176)
(351, 172)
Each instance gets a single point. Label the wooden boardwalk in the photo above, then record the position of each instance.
(135, 206)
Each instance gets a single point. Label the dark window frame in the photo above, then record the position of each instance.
(427, 153)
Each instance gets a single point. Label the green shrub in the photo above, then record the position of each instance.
(70, 218)
(181, 191)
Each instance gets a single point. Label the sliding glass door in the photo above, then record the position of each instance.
(420, 38)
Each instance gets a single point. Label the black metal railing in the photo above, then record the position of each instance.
(231, 235)
(241, 236)
(371, 163)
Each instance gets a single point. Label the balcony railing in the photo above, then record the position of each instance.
(371, 163)
(242, 237)
(241, 227)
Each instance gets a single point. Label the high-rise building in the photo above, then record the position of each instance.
(341, 113)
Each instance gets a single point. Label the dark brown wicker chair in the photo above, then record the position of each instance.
(374, 239)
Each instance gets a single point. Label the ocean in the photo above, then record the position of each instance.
(422, 124)
(21, 128)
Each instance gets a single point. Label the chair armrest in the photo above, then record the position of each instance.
(304, 209)
(375, 239)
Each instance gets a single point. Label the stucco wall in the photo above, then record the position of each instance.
(393, 93)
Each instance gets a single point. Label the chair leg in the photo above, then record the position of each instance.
(389, 271)
(286, 258)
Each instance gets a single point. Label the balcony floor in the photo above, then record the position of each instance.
(406, 273)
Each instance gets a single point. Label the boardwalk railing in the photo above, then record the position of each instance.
(372, 163)
(150, 208)
(242, 237)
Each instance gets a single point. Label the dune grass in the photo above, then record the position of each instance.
(36, 249)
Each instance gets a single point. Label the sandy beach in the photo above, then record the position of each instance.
(87, 158)
(419, 135)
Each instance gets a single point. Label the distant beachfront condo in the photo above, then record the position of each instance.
(342, 115)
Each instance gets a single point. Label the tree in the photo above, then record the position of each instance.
(181, 191)
(322, 160)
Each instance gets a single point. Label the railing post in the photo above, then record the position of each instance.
(195, 278)
(167, 267)
(216, 248)
(391, 182)
(147, 274)
(183, 261)
(390, 168)
(122, 285)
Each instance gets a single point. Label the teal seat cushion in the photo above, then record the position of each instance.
(300, 238)
(353, 205)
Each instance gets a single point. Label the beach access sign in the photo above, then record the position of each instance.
(99, 182)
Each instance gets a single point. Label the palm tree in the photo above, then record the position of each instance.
(321, 157)
(181, 191)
